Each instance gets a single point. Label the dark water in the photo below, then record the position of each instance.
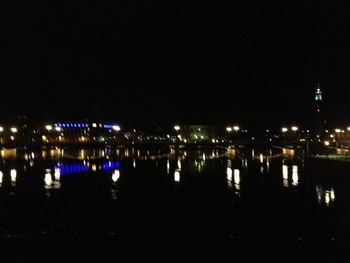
(82, 204)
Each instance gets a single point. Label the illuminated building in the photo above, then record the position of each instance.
(318, 114)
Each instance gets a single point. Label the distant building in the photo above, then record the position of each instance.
(318, 113)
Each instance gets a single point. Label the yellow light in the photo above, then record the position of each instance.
(12, 138)
(14, 129)
(284, 129)
(44, 138)
(48, 127)
(229, 129)
(236, 128)
(326, 143)
(177, 127)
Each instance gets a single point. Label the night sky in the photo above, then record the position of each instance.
(161, 62)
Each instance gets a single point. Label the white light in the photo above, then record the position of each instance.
(58, 128)
(261, 158)
(295, 128)
(116, 127)
(57, 174)
(229, 129)
(168, 166)
(177, 175)
(237, 178)
(348, 128)
(332, 195)
(229, 174)
(177, 128)
(48, 127)
(179, 163)
(295, 175)
(1, 129)
(1, 176)
(337, 130)
(13, 174)
(284, 129)
(326, 143)
(236, 128)
(14, 129)
(285, 175)
(48, 179)
(116, 175)
(327, 197)
(94, 125)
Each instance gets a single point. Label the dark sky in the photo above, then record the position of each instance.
(166, 61)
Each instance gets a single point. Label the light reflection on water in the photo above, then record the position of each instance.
(57, 164)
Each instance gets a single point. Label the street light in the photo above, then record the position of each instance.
(229, 129)
(284, 129)
(48, 127)
(236, 128)
(116, 127)
(1, 129)
(295, 128)
(14, 129)
(177, 128)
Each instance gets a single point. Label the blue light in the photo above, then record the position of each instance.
(79, 125)
(107, 166)
(72, 168)
(64, 125)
